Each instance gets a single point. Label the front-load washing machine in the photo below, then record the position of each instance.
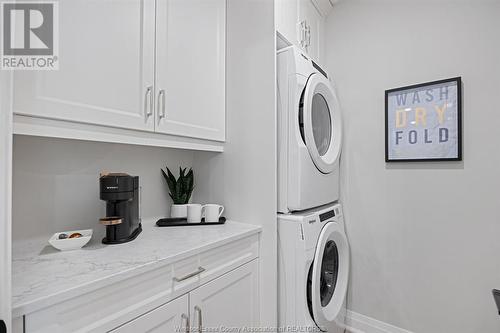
(309, 133)
(313, 270)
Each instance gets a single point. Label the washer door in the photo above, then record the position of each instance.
(322, 123)
(330, 272)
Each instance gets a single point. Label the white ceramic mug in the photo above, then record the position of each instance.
(213, 212)
(194, 213)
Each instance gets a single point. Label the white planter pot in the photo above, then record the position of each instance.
(178, 211)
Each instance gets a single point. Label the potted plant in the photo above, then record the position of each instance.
(180, 190)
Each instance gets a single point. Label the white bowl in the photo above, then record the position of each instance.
(68, 244)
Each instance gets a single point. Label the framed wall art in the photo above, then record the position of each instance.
(423, 122)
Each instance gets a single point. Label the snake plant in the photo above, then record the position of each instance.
(180, 188)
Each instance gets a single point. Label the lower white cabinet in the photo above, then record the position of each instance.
(166, 318)
(226, 303)
(230, 301)
(214, 288)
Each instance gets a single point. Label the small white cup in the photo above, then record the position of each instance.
(194, 213)
(213, 212)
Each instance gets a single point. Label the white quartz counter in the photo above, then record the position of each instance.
(43, 276)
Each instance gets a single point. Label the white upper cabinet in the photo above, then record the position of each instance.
(302, 23)
(190, 73)
(311, 25)
(148, 65)
(106, 66)
(287, 19)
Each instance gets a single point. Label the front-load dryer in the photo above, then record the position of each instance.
(309, 133)
(313, 270)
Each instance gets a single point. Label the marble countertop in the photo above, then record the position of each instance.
(43, 276)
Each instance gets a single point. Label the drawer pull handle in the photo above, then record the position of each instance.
(161, 105)
(190, 275)
(148, 97)
(200, 318)
(185, 317)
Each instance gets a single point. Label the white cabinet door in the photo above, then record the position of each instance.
(170, 317)
(230, 301)
(310, 17)
(302, 24)
(190, 72)
(106, 64)
(286, 16)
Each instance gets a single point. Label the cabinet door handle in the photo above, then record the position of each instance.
(148, 97)
(186, 317)
(200, 318)
(302, 33)
(185, 277)
(308, 35)
(160, 105)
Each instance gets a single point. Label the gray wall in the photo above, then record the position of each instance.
(425, 237)
(243, 178)
(56, 182)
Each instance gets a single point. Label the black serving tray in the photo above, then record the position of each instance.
(496, 296)
(178, 222)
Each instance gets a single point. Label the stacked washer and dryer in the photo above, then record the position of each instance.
(313, 252)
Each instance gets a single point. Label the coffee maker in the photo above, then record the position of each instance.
(122, 221)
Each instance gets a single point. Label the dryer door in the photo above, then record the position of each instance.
(330, 273)
(322, 123)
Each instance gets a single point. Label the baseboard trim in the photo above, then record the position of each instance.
(358, 323)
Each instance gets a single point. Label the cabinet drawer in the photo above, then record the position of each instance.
(226, 258)
(213, 263)
(106, 308)
(109, 307)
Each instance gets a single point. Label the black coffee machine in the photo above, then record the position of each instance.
(122, 221)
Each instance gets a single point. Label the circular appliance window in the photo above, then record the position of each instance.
(328, 277)
(329, 272)
(320, 122)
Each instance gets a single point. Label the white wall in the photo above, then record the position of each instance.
(56, 182)
(425, 237)
(5, 196)
(243, 178)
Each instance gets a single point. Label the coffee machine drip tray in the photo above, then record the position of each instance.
(132, 236)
